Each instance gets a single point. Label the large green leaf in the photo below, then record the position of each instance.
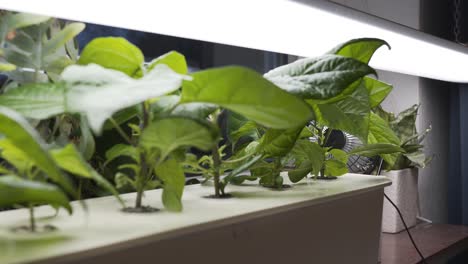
(91, 90)
(360, 49)
(69, 159)
(23, 136)
(246, 92)
(380, 132)
(350, 115)
(170, 133)
(15, 190)
(173, 59)
(278, 142)
(173, 177)
(113, 53)
(378, 90)
(319, 78)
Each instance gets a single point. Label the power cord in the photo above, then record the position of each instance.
(423, 259)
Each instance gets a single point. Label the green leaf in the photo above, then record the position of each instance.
(113, 53)
(339, 155)
(372, 150)
(300, 172)
(194, 110)
(360, 49)
(15, 190)
(122, 180)
(246, 92)
(380, 132)
(335, 168)
(277, 143)
(173, 59)
(4, 170)
(39, 100)
(121, 117)
(241, 168)
(378, 90)
(306, 151)
(6, 67)
(238, 126)
(91, 90)
(61, 38)
(24, 137)
(306, 133)
(119, 150)
(164, 104)
(87, 145)
(15, 156)
(173, 177)
(99, 92)
(404, 125)
(69, 159)
(418, 159)
(170, 133)
(350, 115)
(319, 78)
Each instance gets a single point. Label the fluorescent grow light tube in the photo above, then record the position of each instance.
(300, 27)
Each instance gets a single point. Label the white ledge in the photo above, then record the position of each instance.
(105, 227)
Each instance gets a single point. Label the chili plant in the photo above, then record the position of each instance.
(337, 88)
(247, 93)
(34, 173)
(96, 93)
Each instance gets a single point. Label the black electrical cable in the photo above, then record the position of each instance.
(423, 259)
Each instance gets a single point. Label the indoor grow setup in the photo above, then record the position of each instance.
(279, 181)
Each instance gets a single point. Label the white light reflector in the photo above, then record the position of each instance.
(303, 28)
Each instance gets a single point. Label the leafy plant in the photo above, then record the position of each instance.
(404, 127)
(96, 93)
(341, 94)
(33, 173)
(248, 94)
(36, 48)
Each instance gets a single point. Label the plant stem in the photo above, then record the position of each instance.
(120, 131)
(143, 175)
(145, 116)
(32, 221)
(216, 165)
(139, 197)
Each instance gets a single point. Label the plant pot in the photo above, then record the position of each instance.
(404, 193)
(314, 221)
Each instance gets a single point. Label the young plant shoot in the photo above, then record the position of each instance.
(246, 93)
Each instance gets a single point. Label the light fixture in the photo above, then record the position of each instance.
(300, 27)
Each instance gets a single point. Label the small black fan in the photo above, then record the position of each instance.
(346, 142)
